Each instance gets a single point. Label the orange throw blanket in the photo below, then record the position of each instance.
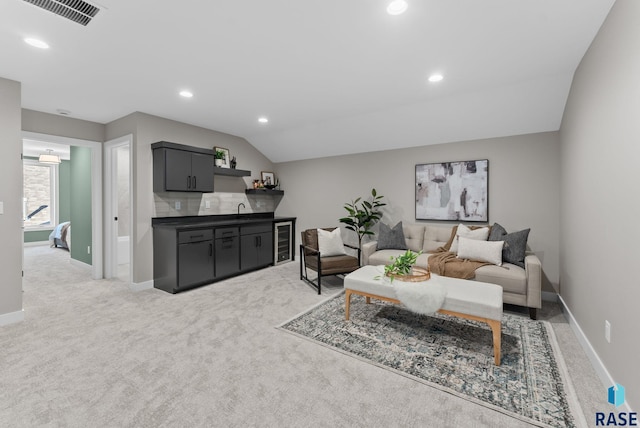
(446, 263)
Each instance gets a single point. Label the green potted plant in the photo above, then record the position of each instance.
(219, 157)
(363, 215)
(402, 266)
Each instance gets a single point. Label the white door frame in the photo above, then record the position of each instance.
(96, 191)
(111, 205)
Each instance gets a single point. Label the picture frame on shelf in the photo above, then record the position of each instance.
(268, 178)
(224, 161)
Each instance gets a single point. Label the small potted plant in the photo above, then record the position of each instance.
(219, 157)
(402, 268)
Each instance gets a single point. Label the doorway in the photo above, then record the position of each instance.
(92, 165)
(118, 212)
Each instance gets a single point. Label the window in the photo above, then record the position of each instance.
(39, 195)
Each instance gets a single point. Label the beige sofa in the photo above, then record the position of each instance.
(520, 286)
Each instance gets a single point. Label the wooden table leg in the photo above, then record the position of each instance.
(368, 300)
(496, 328)
(347, 304)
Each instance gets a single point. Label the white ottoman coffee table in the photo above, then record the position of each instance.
(478, 301)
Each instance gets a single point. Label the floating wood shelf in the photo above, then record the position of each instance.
(231, 172)
(264, 192)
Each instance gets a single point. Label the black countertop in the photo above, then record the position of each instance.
(194, 222)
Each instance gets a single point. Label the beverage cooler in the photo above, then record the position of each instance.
(283, 242)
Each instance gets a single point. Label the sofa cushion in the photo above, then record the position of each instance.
(515, 244)
(483, 251)
(480, 233)
(330, 243)
(391, 238)
(413, 236)
(512, 278)
(435, 237)
(385, 257)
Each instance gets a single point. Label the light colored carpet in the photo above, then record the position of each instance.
(453, 354)
(93, 353)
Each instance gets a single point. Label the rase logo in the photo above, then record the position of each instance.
(615, 396)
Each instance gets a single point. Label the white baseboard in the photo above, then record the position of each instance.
(36, 243)
(139, 286)
(596, 362)
(12, 317)
(80, 264)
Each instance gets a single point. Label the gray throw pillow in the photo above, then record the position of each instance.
(391, 239)
(515, 244)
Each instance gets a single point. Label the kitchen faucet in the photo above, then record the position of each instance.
(239, 207)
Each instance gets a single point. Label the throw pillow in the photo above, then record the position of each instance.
(391, 239)
(515, 244)
(479, 234)
(330, 243)
(484, 251)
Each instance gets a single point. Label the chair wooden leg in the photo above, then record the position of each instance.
(533, 313)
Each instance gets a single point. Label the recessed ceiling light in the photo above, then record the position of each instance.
(435, 78)
(36, 43)
(396, 7)
(263, 120)
(186, 94)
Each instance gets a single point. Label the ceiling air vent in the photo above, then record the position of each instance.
(76, 10)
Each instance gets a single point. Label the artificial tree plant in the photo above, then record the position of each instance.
(363, 215)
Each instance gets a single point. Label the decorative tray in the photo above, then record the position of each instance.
(419, 275)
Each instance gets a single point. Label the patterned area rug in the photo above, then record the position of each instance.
(454, 355)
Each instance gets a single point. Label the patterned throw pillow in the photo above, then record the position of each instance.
(515, 244)
(391, 239)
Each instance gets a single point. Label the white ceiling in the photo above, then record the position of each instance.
(333, 76)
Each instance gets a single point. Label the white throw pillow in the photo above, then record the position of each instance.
(484, 251)
(480, 234)
(330, 243)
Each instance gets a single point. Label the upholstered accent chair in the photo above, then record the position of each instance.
(312, 259)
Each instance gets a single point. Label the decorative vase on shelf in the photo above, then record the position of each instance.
(233, 162)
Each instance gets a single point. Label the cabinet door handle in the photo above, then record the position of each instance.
(259, 241)
(210, 250)
(195, 185)
(188, 182)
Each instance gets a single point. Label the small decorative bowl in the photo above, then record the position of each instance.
(270, 186)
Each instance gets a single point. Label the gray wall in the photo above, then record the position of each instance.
(523, 187)
(11, 196)
(147, 129)
(81, 218)
(52, 124)
(600, 137)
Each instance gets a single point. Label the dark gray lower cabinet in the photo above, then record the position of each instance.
(227, 252)
(186, 258)
(195, 263)
(256, 244)
(182, 259)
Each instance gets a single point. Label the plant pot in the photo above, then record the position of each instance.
(218, 162)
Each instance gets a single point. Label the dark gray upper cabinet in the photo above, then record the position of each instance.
(180, 168)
